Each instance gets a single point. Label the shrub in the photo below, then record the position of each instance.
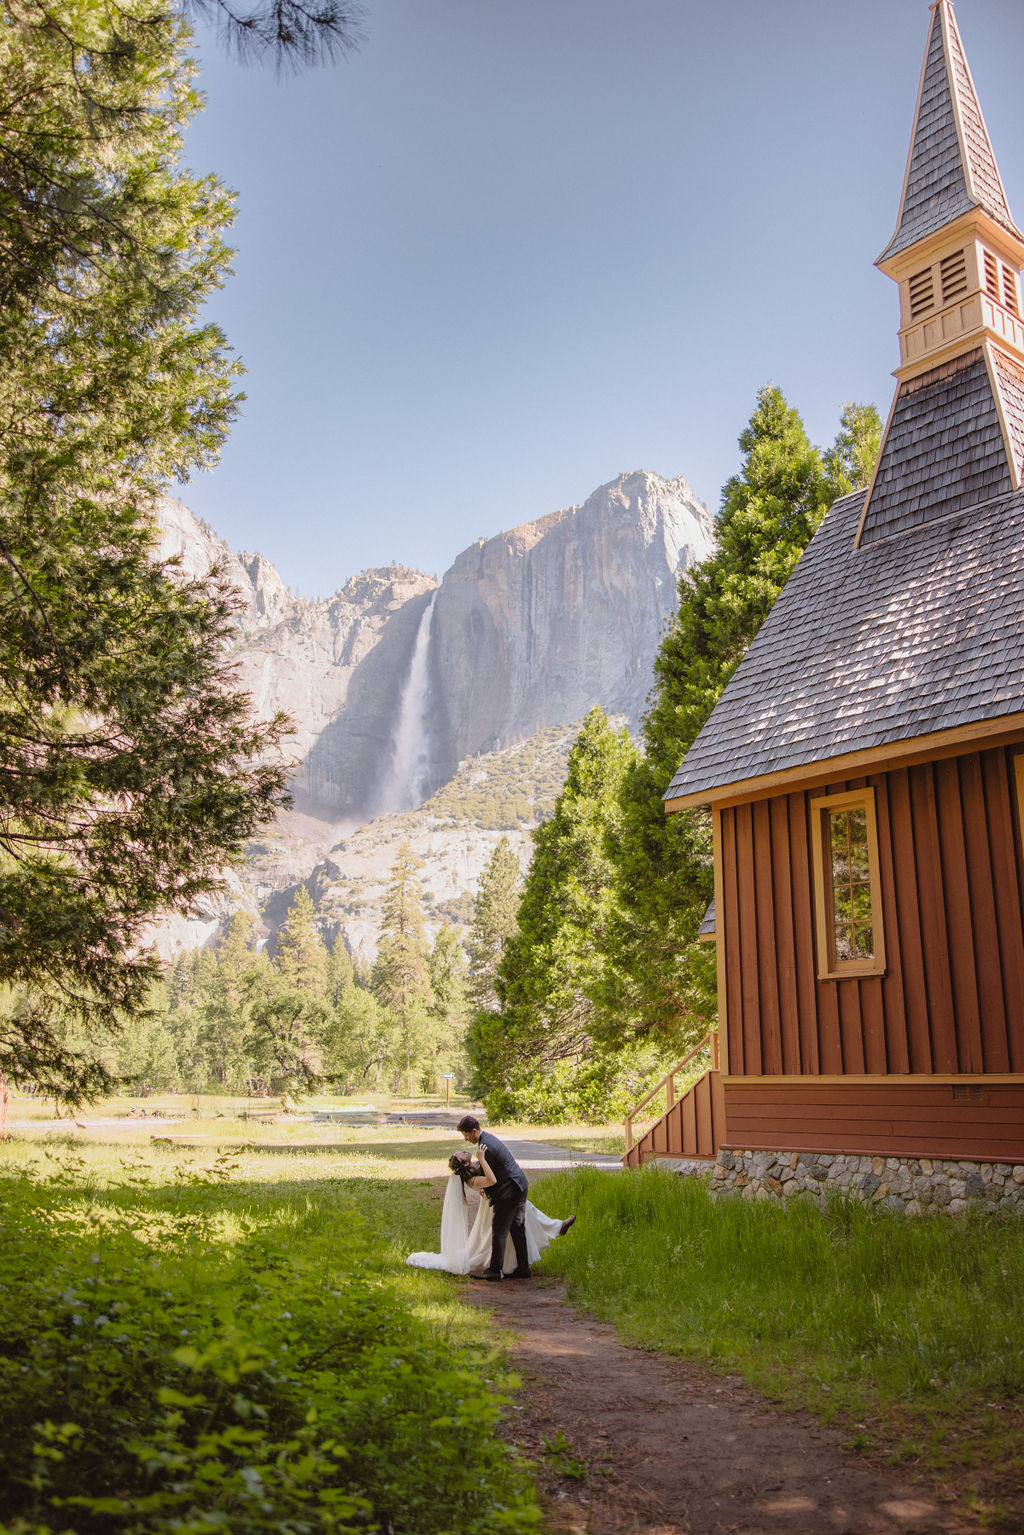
(187, 1362)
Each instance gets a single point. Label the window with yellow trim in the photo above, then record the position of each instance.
(848, 904)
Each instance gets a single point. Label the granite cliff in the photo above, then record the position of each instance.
(395, 681)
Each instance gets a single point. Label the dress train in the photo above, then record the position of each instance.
(465, 1247)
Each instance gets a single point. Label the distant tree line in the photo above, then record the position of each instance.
(233, 1018)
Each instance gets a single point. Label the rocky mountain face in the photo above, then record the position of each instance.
(395, 681)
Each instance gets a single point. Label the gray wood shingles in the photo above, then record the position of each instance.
(937, 189)
(916, 632)
(944, 449)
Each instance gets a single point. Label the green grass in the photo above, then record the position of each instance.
(910, 1331)
(208, 1340)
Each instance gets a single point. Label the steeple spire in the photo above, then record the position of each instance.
(955, 434)
(950, 167)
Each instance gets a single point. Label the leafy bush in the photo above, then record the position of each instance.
(590, 1090)
(184, 1360)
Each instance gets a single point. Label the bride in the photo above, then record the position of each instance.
(466, 1235)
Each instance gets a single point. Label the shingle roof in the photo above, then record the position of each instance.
(943, 449)
(916, 632)
(1009, 376)
(945, 177)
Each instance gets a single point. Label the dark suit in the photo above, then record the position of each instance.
(508, 1202)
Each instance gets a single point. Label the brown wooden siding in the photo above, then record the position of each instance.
(952, 887)
(980, 1122)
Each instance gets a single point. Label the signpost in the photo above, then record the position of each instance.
(448, 1079)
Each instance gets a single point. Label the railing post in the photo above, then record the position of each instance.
(629, 1133)
(714, 1049)
(670, 1090)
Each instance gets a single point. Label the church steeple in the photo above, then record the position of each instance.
(950, 165)
(955, 435)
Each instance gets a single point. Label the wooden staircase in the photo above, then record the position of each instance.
(692, 1126)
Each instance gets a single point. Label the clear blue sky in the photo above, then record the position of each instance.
(512, 248)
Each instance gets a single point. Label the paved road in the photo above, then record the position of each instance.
(537, 1156)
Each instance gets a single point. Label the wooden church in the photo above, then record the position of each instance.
(865, 765)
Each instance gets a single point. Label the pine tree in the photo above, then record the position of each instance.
(239, 977)
(301, 958)
(340, 974)
(551, 967)
(127, 759)
(446, 967)
(494, 922)
(658, 977)
(401, 980)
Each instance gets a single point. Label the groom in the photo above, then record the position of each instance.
(508, 1200)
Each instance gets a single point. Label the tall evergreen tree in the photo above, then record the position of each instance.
(446, 967)
(550, 969)
(340, 973)
(227, 1003)
(301, 957)
(494, 922)
(127, 759)
(657, 976)
(401, 979)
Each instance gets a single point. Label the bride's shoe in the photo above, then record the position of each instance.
(563, 1228)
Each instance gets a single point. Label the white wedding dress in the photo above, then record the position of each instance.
(465, 1247)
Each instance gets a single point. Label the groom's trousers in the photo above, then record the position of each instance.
(509, 1211)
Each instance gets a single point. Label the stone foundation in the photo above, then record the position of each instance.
(913, 1184)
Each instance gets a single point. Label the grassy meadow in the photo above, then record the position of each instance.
(209, 1324)
(222, 1335)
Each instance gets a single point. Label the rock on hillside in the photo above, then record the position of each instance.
(501, 794)
(533, 627)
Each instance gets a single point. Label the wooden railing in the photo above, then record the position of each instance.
(668, 1082)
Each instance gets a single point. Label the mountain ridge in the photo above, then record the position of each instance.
(397, 679)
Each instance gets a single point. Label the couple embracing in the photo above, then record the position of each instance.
(505, 1217)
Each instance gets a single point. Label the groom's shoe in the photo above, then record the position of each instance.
(563, 1228)
(484, 1274)
(520, 1274)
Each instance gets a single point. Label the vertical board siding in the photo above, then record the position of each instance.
(749, 978)
(922, 852)
(803, 935)
(1005, 842)
(904, 915)
(960, 926)
(730, 947)
(952, 877)
(895, 1038)
(992, 1024)
(765, 925)
(785, 945)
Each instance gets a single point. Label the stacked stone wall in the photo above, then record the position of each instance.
(913, 1184)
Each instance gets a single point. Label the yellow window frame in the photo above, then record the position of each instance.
(831, 966)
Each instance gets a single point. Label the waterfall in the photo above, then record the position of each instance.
(405, 780)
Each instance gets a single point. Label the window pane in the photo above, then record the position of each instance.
(859, 862)
(864, 940)
(859, 825)
(844, 942)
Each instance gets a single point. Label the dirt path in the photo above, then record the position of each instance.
(635, 1443)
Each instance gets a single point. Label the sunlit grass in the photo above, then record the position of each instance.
(243, 1315)
(905, 1329)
